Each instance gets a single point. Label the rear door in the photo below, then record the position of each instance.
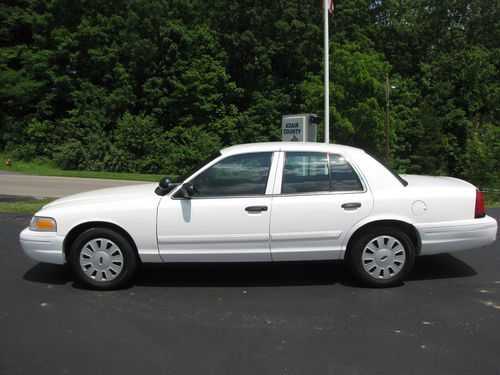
(318, 198)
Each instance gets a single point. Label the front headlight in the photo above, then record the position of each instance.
(43, 224)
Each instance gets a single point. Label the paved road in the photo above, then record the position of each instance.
(298, 318)
(52, 187)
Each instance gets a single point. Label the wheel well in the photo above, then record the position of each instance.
(409, 229)
(79, 229)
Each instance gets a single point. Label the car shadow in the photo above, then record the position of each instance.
(442, 266)
(45, 273)
(244, 274)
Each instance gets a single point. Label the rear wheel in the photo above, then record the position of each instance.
(382, 257)
(103, 259)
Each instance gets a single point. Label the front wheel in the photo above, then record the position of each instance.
(382, 257)
(103, 259)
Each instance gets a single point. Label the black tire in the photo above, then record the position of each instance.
(103, 259)
(382, 257)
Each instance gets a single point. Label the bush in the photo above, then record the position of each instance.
(118, 160)
(22, 152)
(70, 155)
(189, 147)
(481, 161)
(138, 145)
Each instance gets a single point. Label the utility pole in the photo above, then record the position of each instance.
(326, 10)
(387, 122)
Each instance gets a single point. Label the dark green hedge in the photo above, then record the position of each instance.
(155, 86)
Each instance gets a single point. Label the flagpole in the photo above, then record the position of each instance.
(326, 8)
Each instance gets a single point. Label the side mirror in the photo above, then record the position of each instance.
(165, 183)
(165, 186)
(187, 190)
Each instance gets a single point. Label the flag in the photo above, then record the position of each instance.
(330, 6)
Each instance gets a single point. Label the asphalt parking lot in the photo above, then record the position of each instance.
(296, 318)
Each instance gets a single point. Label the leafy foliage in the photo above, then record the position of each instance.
(156, 86)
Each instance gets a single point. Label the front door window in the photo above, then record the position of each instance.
(238, 175)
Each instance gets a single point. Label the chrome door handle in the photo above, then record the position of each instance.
(351, 205)
(256, 208)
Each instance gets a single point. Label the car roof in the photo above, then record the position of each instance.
(288, 146)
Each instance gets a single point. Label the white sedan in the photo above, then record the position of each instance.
(261, 203)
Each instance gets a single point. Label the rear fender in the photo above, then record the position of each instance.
(381, 219)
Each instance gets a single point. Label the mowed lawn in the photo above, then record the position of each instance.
(28, 206)
(45, 168)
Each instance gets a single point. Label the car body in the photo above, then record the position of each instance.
(265, 202)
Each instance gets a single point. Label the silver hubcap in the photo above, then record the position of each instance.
(383, 257)
(101, 259)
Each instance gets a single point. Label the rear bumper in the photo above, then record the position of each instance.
(445, 237)
(43, 246)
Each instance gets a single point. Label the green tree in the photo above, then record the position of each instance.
(481, 161)
(357, 94)
(84, 83)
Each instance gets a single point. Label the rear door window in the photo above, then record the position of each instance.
(306, 172)
(344, 177)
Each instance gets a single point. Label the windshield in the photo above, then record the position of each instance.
(197, 166)
(177, 181)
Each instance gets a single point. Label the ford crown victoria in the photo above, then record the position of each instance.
(261, 203)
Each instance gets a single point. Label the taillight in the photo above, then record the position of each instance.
(479, 209)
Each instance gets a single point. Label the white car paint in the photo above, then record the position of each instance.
(295, 227)
(132, 208)
(224, 230)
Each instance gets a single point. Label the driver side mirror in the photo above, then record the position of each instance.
(165, 186)
(165, 183)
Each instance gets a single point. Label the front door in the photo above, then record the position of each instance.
(227, 219)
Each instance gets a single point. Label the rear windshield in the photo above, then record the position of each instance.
(393, 172)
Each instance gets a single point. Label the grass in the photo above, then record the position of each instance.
(491, 200)
(24, 207)
(45, 168)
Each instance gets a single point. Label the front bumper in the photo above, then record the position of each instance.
(44, 247)
(445, 237)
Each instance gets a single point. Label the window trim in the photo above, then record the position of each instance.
(221, 158)
(281, 166)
